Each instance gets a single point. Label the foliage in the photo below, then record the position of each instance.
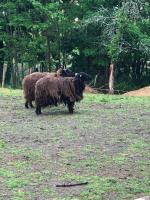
(85, 35)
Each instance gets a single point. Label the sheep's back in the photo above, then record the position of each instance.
(29, 84)
(47, 90)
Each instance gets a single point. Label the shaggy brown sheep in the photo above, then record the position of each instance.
(51, 91)
(30, 80)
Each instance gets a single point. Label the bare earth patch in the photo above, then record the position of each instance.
(141, 92)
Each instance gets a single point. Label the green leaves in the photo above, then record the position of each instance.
(77, 33)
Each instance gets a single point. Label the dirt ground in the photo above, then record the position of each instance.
(104, 143)
(89, 89)
(140, 92)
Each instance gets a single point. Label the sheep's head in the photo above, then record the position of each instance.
(68, 73)
(65, 73)
(79, 82)
(83, 76)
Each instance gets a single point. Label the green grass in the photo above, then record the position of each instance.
(17, 174)
(10, 92)
(105, 142)
(139, 145)
(6, 173)
(120, 159)
(19, 195)
(115, 99)
(14, 183)
(99, 188)
(2, 144)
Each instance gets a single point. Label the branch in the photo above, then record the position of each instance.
(72, 185)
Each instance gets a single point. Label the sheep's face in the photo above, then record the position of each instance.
(83, 76)
(80, 79)
(79, 87)
(65, 73)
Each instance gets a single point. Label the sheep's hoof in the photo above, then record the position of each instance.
(26, 105)
(70, 106)
(71, 111)
(38, 112)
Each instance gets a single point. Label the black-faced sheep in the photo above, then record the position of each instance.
(68, 90)
(30, 80)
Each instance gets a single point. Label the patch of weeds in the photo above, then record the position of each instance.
(26, 152)
(20, 164)
(104, 100)
(50, 193)
(6, 173)
(117, 99)
(144, 167)
(90, 163)
(88, 148)
(69, 134)
(71, 177)
(18, 151)
(138, 145)
(2, 144)
(105, 160)
(68, 198)
(98, 98)
(16, 182)
(139, 185)
(10, 92)
(105, 157)
(35, 177)
(34, 155)
(47, 173)
(99, 186)
(69, 155)
(120, 158)
(19, 195)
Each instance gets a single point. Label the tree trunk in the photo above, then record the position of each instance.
(4, 74)
(1, 60)
(22, 71)
(14, 74)
(111, 79)
(48, 55)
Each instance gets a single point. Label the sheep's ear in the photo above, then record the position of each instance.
(76, 74)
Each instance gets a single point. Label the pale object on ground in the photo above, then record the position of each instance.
(144, 198)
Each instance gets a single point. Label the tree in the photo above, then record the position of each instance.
(120, 32)
(85, 35)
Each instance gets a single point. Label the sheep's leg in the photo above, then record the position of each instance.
(31, 105)
(55, 101)
(26, 104)
(38, 110)
(70, 107)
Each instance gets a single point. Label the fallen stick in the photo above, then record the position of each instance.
(72, 184)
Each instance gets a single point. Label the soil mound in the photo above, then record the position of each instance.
(140, 92)
(89, 89)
